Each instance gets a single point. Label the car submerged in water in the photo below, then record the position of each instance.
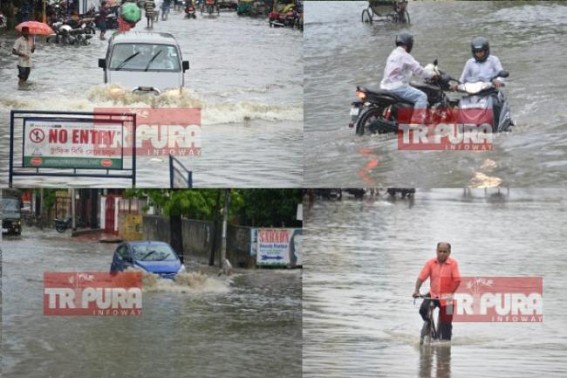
(150, 256)
(144, 62)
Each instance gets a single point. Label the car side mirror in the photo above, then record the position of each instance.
(102, 63)
(185, 65)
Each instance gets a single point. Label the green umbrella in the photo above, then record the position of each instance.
(131, 13)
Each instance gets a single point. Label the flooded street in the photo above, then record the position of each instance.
(250, 93)
(359, 318)
(341, 52)
(246, 326)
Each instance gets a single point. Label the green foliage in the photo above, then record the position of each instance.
(195, 204)
(49, 198)
(270, 207)
(253, 207)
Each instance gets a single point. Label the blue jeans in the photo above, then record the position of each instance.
(419, 98)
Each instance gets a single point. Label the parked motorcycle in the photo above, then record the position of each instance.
(61, 225)
(378, 111)
(66, 35)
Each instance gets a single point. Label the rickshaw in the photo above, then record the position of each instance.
(386, 10)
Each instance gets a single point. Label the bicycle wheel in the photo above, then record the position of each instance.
(368, 18)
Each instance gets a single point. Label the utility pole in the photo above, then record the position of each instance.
(74, 226)
(224, 222)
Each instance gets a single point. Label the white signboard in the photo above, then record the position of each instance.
(71, 144)
(278, 247)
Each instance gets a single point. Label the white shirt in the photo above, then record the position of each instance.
(475, 71)
(24, 47)
(399, 68)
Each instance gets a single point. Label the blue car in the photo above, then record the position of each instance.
(151, 256)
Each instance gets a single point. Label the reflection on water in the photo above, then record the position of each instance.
(435, 361)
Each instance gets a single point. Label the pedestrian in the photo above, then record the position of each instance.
(24, 48)
(444, 280)
(103, 13)
(149, 7)
(158, 5)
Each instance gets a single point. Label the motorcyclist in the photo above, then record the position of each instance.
(399, 68)
(483, 66)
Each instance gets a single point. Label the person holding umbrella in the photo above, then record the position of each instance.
(24, 48)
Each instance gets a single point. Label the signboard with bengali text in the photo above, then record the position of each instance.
(71, 143)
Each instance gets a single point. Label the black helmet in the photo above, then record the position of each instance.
(405, 38)
(480, 44)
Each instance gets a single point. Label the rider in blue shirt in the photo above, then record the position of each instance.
(482, 66)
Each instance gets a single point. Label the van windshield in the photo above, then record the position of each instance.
(144, 57)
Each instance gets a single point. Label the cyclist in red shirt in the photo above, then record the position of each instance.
(444, 279)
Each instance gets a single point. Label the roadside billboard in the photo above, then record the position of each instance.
(279, 247)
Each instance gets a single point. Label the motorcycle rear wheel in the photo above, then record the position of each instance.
(371, 116)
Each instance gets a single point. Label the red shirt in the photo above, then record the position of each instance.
(444, 278)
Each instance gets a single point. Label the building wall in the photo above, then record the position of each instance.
(198, 239)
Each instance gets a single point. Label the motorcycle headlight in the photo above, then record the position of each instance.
(181, 269)
(361, 95)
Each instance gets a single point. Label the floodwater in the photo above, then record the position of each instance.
(247, 325)
(359, 319)
(341, 52)
(245, 76)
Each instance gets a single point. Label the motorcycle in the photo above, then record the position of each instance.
(210, 6)
(288, 17)
(190, 10)
(484, 96)
(378, 111)
(61, 225)
(66, 35)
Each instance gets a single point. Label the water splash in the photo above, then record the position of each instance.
(185, 283)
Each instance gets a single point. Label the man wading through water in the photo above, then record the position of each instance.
(444, 279)
(24, 48)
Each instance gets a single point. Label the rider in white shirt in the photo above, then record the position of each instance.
(399, 69)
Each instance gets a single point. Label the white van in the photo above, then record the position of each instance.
(144, 62)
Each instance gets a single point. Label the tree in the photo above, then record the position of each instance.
(251, 207)
(270, 207)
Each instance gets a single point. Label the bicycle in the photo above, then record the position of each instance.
(430, 330)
